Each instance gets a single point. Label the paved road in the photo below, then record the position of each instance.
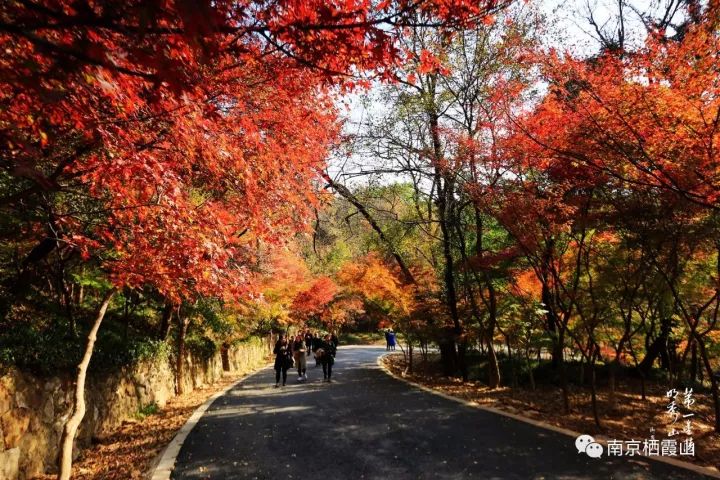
(369, 425)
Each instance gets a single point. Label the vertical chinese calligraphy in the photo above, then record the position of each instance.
(681, 411)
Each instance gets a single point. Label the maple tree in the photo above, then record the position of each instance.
(388, 298)
(314, 300)
(621, 133)
(374, 280)
(284, 276)
(178, 130)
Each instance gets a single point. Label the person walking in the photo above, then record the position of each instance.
(283, 360)
(387, 339)
(299, 354)
(391, 340)
(316, 344)
(308, 341)
(327, 357)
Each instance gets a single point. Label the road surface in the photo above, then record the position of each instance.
(368, 425)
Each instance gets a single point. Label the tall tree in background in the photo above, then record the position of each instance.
(437, 136)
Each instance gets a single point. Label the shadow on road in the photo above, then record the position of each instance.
(369, 425)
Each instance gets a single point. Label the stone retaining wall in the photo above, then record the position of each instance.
(33, 410)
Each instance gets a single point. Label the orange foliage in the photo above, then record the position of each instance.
(371, 278)
(526, 284)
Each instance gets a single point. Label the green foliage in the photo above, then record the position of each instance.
(147, 410)
(213, 316)
(113, 351)
(41, 351)
(46, 351)
(93, 278)
(201, 346)
(360, 338)
(253, 340)
(149, 349)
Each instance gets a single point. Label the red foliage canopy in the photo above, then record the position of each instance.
(160, 135)
(644, 120)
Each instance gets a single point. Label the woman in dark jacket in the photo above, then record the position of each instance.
(327, 359)
(283, 360)
(316, 344)
(308, 342)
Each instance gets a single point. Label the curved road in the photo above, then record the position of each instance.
(369, 425)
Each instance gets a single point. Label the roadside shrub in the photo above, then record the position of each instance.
(147, 410)
(41, 351)
(52, 350)
(201, 346)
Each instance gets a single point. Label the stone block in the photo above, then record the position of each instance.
(14, 425)
(33, 449)
(10, 464)
(6, 400)
(48, 411)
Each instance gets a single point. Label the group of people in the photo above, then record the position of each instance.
(389, 339)
(294, 352)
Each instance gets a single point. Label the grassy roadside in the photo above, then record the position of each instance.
(362, 339)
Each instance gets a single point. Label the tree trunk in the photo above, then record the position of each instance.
(564, 376)
(551, 317)
(449, 281)
(71, 426)
(225, 357)
(448, 355)
(183, 324)
(612, 381)
(462, 358)
(693, 363)
(493, 366)
(165, 321)
(511, 362)
(565, 388)
(631, 350)
(615, 365)
(445, 207)
(593, 392)
(713, 381)
(410, 357)
(658, 348)
(530, 370)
